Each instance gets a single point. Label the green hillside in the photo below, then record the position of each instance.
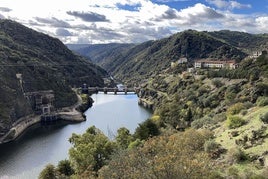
(135, 63)
(209, 123)
(45, 63)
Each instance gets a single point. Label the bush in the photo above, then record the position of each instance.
(213, 149)
(235, 109)
(49, 172)
(244, 112)
(248, 104)
(219, 118)
(235, 121)
(217, 83)
(64, 167)
(264, 118)
(146, 129)
(262, 101)
(199, 123)
(236, 155)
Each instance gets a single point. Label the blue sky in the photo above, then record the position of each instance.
(134, 21)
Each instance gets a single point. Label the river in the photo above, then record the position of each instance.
(40, 145)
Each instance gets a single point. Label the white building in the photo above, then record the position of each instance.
(182, 60)
(207, 63)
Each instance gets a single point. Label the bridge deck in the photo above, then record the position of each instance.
(114, 90)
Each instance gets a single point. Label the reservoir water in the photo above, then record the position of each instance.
(40, 145)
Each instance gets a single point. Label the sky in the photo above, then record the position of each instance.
(134, 21)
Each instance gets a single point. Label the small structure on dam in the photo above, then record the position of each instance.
(42, 103)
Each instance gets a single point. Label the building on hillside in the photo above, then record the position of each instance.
(208, 63)
(255, 54)
(182, 60)
(42, 101)
(190, 70)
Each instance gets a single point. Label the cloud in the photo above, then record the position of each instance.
(5, 9)
(165, 1)
(88, 17)
(170, 14)
(262, 22)
(63, 32)
(223, 4)
(53, 22)
(2, 17)
(129, 21)
(199, 13)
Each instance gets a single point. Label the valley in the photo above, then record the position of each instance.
(208, 92)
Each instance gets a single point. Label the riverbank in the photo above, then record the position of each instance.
(69, 114)
(18, 128)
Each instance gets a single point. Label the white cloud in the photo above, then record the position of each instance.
(2, 17)
(262, 23)
(104, 21)
(63, 32)
(163, 1)
(224, 4)
(198, 14)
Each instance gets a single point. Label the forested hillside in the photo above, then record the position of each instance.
(44, 63)
(143, 60)
(208, 124)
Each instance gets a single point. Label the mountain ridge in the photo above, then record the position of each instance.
(151, 57)
(32, 61)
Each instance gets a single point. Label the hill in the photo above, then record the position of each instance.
(32, 61)
(207, 123)
(100, 53)
(138, 62)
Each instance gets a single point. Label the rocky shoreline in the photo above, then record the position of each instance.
(70, 114)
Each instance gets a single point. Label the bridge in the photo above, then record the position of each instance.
(105, 90)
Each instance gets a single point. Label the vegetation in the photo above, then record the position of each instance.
(187, 136)
(165, 156)
(158, 150)
(235, 121)
(45, 64)
(90, 150)
(133, 63)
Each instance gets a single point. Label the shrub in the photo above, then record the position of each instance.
(204, 121)
(248, 104)
(146, 129)
(219, 118)
(262, 101)
(235, 109)
(64, 167)
(235, 121)
(49, 172)
(236, 155)
(264, 118)
(217, 83)
(244, 112)
(213, 149)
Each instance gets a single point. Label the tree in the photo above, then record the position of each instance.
(90, 150)
(123, 138)
(189, 115)
(146, 129)
(168, 156)
(235, 121)
(49, 172)
(64, 167)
